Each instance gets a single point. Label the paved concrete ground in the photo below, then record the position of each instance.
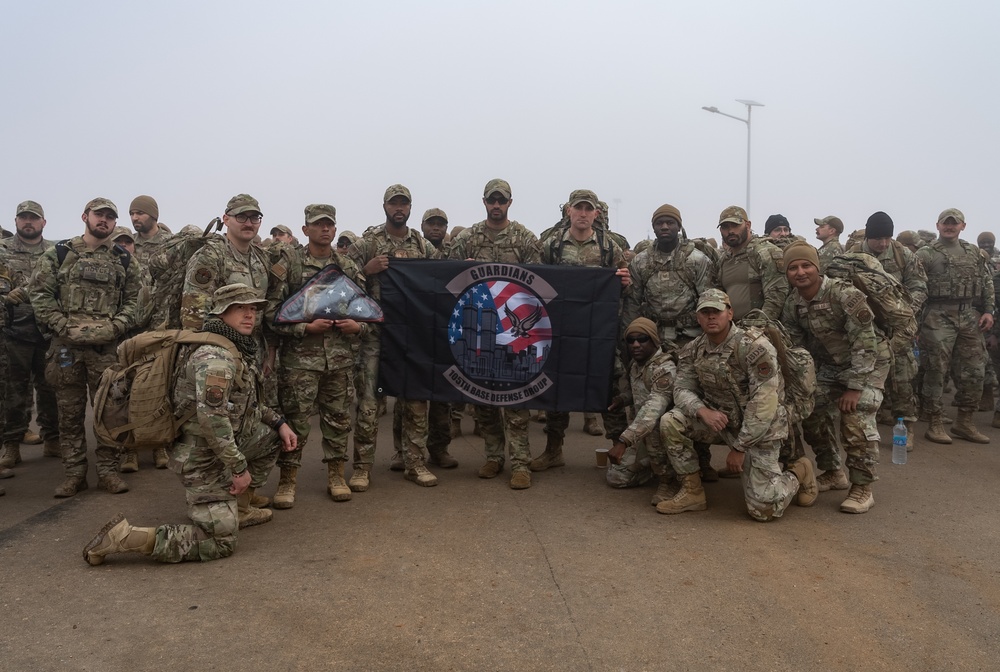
(470, 575)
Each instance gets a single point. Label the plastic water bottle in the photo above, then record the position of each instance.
(899, 443)
(64, 357)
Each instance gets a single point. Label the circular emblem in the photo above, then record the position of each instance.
(400, 254)
(203, 276)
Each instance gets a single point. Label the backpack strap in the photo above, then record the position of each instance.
(196, 338)
(63, 249)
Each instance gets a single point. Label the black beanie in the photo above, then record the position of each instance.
(879, 225)
(774, 221)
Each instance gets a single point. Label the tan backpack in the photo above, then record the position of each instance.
(133, 405)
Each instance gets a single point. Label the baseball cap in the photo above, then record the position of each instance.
(122, 232)
(396, 190)
(100, 203)
(734, 213)
(236, 293)
(241, 203)
(497, 185)
(831, 221)
(952, 213)
(584, 196)
(30, 206)
(434, 212)
(713, 298)
(318, 211)
(281, 228)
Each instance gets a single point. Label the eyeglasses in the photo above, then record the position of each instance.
(493, 200)
(253, 219)
(641, 338)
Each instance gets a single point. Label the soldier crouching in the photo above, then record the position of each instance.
(224, 451)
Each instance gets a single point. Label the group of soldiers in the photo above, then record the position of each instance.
(694, 369)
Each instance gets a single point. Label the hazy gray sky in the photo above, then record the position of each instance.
(868, 106)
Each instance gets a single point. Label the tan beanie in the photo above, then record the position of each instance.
(800, 249)
(642, 325)
(145, 204)
(669, 211)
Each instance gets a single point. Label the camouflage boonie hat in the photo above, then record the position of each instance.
(584, 196)
(122, 231)
(396, 190)
(952, 213)
(235, 294)
(497, 185)
(713, 298)
(241, 203)
(733, 213)
(350, 235)
(435, 212)
(31, 207)
(101, 204)
(318, 211)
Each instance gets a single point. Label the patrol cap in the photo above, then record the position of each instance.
(396, 190)
(434, 212)
(951, 213)
(30, 207)
(241, 203)
(584, 196)
(733, 213)
(317, 211)
(235, 294)
(713, 298)
(497, 185)
(122, 232)
(831, 221)
(350, 235)
(101, 204)
(908, 238)
(280, 228)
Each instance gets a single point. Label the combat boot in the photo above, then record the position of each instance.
(160, 458)
(443, 459)
(552, 457)
(964, 428)
(420, 475)
(259, 501)
(335, 484)
(691, 496)
(835, 479)
(593, 425)
(117, 536)
(31, 439)
(859, 499)
(6, 473)
(71, 485)
(668, 487)
(250, 515)
(909, 436)
(935, 431)
(52, 448)
(996, 419)
(520, 479)
(491, 469)
(360, 479)
(808, 488)
(130, 461)
(11, 455)
(397, 463)
(112, 484)
(284, 498)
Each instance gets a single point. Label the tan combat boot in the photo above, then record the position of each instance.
(31, 439)
(71, 485)
(52, 448)
(360, 479)
(397, 463)
(935, 431)
(491, 469)
(284, 498)
(808, 489)
(592, 424)
(112, 483)
(335, 481)
(520, 479)
(130, 461)
(160, 458)
(420, 475)
(859, 499)
(964, 428)
(117, 536)
(691, 496)
(835, 479)
(443, 459)
(996, 419)
(668, 487)
(552, 457)
(11, 455)
(251, 515)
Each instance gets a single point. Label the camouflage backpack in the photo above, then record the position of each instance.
(133, 405)
(797, 366)
(888, 299)
(169, 268)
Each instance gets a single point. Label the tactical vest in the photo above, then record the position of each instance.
(756, 248)
(660, 276)
(91, 285)
(506, 249)
(962, 277)
(723, 382)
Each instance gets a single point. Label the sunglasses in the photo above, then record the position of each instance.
(493, 200)
(641, 338)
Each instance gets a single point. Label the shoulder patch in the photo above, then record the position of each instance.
(202, 276)
(279, 271)
(854, 300)
(764, 369)
(864, 315)
(756, 352)
(215, 389)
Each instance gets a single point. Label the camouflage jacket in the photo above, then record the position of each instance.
(828, 251)
(328, 351)
(377, 241)
(963, 277)
(514, 244)
(900, 263)
(21, 260)
(838, 329)
(215, 265)
(599, 250)
(228, 398)
(665, 289)
(649, 389)
(768, 285)
(147, 247)
(739, 377)
(97, 286)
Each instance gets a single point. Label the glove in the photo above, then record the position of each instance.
(16, 297)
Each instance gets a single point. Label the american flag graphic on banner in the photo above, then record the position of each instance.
(521, 321)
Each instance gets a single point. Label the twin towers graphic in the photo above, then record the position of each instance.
(480, 356)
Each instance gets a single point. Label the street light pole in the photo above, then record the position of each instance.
(750, 105)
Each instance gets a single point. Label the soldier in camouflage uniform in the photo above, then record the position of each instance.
(648, 388)
(729, 390)
(502, 240)
(777, 227)
(960, 305)
(372, 253)
(85, 291)
(26, 345)
(828, 232)
(987, 242)
(833, 321)
(900, 399)
(749, 268)
(910, 239)
(580, 243)
(231, 439)
(317, 358)
(6, 285)
(145, 214)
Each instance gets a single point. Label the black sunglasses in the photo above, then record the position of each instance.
(493, 200)
(641, 338)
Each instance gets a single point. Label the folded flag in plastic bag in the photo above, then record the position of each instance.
(329, 295)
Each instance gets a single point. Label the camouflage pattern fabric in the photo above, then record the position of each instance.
(145, 248)
(828, 251)
(649, 390)
(215, 265)
(765, 276)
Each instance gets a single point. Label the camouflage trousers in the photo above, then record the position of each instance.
(409, 430)
(366, 384)
(260, 446)
(991, 379)
(767, 490)
(79, 371)
(635, 467)
(556, 423)
(27, 370)
(302, 393)
(951, 340)
(858, 431)
(438, 430)
(505, 428)
(899, 395)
